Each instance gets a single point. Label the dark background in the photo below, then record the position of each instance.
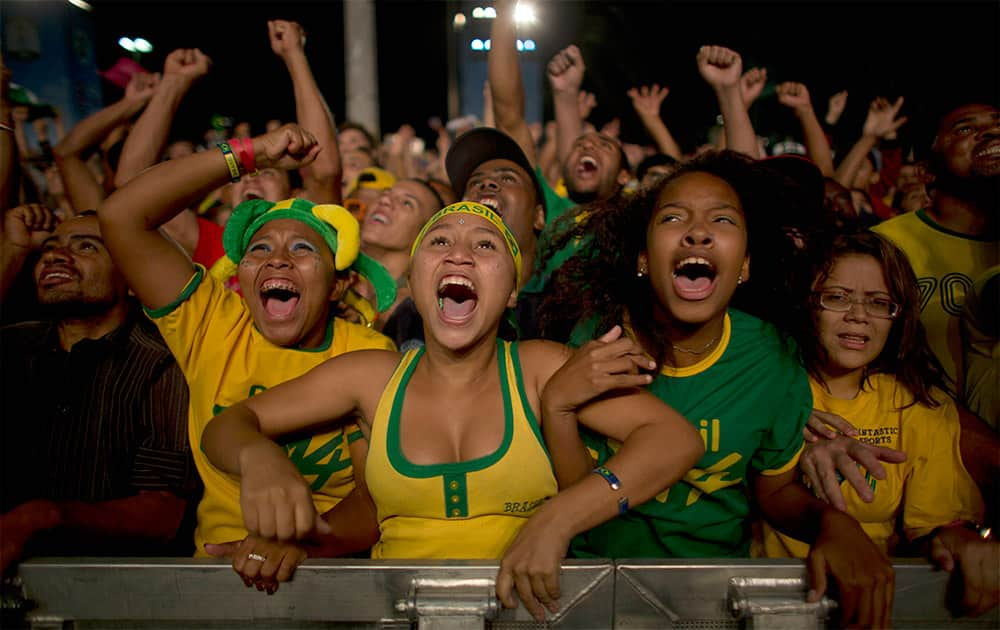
(932, 53)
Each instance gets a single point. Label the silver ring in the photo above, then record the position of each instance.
(256, 556)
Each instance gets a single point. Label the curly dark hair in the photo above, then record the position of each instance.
(906, 355)
(600, 281)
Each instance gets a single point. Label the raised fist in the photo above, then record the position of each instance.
(566, 69)
(286, 37)
(188, 63)
(720, 66)
(287, 147)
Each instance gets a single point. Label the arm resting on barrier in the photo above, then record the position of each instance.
(147, 516)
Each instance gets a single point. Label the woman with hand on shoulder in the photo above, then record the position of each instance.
(456, 464)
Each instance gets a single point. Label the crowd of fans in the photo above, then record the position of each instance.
(521, 343)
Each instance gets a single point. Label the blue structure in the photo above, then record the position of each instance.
(49, 48)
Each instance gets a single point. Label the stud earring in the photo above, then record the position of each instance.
(641, 272)
(739, 280)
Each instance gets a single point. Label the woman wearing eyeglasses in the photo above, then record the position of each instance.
(869, 362)
(675, 265)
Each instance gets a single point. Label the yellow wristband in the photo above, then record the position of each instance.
(231, 161)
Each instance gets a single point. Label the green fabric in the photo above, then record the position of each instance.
(750, 407)
(555, 205)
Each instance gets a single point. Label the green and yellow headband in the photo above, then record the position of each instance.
(338, 228)
(479, 210)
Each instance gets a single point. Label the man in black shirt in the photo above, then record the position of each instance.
(95, 456)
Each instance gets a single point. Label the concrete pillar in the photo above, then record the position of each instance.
(361, 63)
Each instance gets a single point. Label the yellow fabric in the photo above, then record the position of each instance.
(931, 488)
(471, 509)
(225, 360)
(946, 264)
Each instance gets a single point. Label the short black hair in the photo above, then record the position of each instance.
(651, 161)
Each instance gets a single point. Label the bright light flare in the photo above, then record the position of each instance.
(81, 4)
(524, 13)
(126, 43)
(142, 45)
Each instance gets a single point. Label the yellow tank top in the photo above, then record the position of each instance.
(469, 509)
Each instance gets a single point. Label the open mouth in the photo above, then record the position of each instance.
(991, 151)
(378, 217)
(456, 298)
(492, 203)
(250, 195)
(49, 278)
(279, 298)
(587, 165)
(694, 278)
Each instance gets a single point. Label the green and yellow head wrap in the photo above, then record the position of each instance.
(333, 223)
(479, 210)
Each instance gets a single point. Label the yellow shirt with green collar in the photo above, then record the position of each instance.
(468, 509)
(930, 489)
(225, 360)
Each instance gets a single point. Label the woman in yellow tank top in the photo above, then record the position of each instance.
(456, 464)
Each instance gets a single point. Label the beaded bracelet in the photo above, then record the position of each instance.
(231, 162)
(615, 484)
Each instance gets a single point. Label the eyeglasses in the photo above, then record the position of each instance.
(841, 302)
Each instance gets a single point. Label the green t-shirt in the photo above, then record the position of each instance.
(749, 399)
(555, 207)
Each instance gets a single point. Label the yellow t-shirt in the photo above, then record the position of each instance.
(946, 264)
(225, 360)
(469, 509)
(931, 488)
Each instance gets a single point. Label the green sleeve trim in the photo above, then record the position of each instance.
(189, 288)
(354, 436)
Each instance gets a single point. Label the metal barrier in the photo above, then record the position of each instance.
(184, 593)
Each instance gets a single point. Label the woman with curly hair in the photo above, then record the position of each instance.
(668, 266)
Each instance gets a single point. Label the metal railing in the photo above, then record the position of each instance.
(187, 593)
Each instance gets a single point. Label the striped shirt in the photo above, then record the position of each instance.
(105, 420)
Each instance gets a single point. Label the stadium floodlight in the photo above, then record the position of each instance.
(524, 13)
(126, 43)
(478, 13)
(142, 45)
(489, 13)
(81, 4)
(459, 20)
(476, 44)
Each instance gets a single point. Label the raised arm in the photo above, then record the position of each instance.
(25, 228)
(8, 143)
(322, 177)
(796, 97)
(646, 101)
(82, 189)
(506, 84)
(565, 72)
(156, 269)
(148, 137)
(722, 69)
(880, 122)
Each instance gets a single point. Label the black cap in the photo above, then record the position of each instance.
(483, 144)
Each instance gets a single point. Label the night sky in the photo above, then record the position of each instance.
(929, 52)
